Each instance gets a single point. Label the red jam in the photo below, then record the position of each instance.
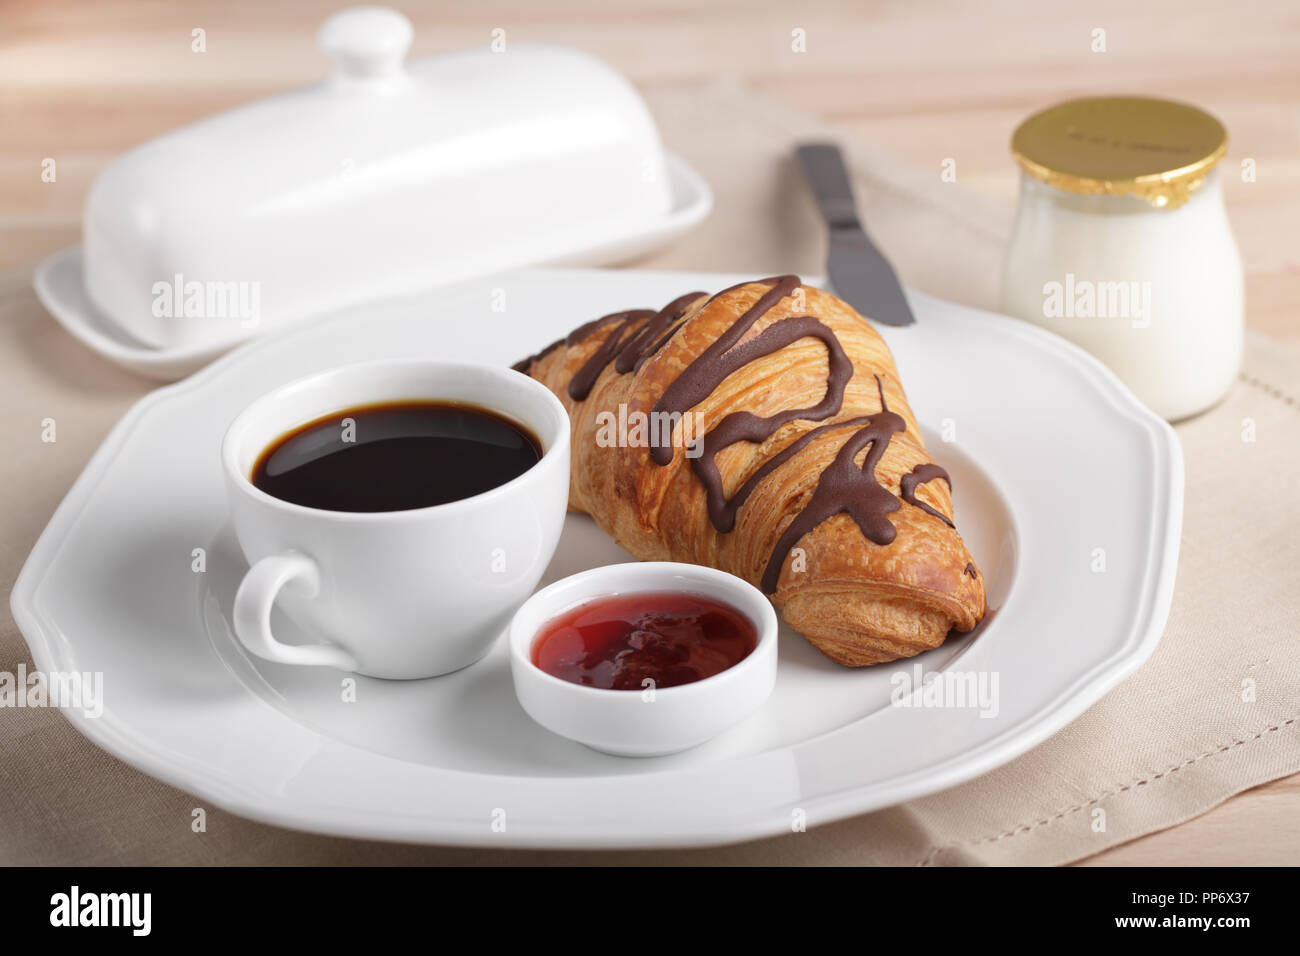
(617, 643)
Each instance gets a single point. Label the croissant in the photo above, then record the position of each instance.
(763, 431)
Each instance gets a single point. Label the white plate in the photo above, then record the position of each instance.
(59, 286)
(1054, 459)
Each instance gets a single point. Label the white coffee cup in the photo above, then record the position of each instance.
(397, 594)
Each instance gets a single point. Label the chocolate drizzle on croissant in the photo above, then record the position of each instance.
(845, 487)
(627, 346)
(842, 488)
(919, 476)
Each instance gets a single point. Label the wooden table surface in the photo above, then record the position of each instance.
(83, 80)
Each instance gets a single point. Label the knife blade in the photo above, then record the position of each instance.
(858, 271)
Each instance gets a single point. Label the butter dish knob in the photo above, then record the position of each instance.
(366, 42)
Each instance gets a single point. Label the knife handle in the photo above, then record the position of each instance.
(823, 166)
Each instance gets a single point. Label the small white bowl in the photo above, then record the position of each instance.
(629, 723)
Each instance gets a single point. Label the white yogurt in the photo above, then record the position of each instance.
(1154, 292)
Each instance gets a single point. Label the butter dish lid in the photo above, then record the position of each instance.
(386, 179)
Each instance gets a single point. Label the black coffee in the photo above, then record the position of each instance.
(395, 456)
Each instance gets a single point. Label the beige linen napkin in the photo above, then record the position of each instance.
(1216, 710)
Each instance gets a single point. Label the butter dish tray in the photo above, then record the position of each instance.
(59, 285)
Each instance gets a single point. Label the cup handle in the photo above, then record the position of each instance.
(252, 612)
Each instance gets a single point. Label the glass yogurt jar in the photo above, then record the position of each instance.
(1122, 245)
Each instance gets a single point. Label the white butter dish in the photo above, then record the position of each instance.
(384, 180)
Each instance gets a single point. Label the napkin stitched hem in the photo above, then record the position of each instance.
(1019, 829)
(1270, 390)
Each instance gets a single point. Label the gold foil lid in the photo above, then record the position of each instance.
(1157, 150)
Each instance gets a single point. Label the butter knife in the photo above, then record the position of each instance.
(858, 271)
